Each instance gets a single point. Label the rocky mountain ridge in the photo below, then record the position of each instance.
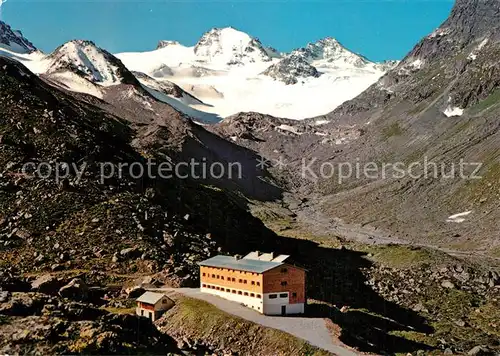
(14, 40)
(331, 50)
(94, 64)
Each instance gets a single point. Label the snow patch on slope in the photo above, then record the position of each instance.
(182, 107)
(458, 218)
(473, 55)
(453, 111)
(73, 82)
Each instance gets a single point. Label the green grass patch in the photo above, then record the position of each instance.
(495, 252)
(487, 319)
(401, 256)
(392, 130)
(113, 310)
(492, 99)
(202, 320)
(485, 187)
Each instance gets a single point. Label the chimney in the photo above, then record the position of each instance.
(237, 257)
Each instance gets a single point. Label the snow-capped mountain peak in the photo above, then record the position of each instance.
(14, 40)
(87, 60)
(231, 46)
(332, 51)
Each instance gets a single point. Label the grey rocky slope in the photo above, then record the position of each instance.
(48, 324)
(414, 113)
(325, 54)
(331, 50)
(291, 69)
(123, 224)
(162, 129)
(409, 116)
(14, 40)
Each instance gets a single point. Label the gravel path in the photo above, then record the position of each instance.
(313, 330)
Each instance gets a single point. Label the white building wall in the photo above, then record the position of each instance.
(274, 306)
(145, 313)
(266, 305)
(251, 302)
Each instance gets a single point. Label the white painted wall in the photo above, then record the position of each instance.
(266, 305)
(251, 302)
(273, 306)
(145, 313)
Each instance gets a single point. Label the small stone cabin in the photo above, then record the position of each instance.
(152, 305)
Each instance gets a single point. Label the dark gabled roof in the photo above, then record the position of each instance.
(247, 265)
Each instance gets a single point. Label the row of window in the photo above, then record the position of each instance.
(231, 270)
(232, 279)
(239, 292)
(228, 290)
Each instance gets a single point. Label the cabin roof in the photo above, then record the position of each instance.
(244, 264)
(150, 298)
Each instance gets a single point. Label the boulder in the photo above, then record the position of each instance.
(130, 252)
(77, 289)
(480, 351)
(134, 292)
(447, 284)
(47, 284)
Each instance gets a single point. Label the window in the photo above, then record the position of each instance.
(253, 283)
(240, 280)
(294, 295)
(273, 296)
(284, 295)
(217, 288)
(239, 292)
(222, 277)
(213, 275)
(233, 280)
(204, 274)
(258, 283)
(234, 291)
(284, 283)
(284, 270)
(204, 286)
(245, 281)
(246, 294)
(259, 296)
(218, 277)
(252, 295)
